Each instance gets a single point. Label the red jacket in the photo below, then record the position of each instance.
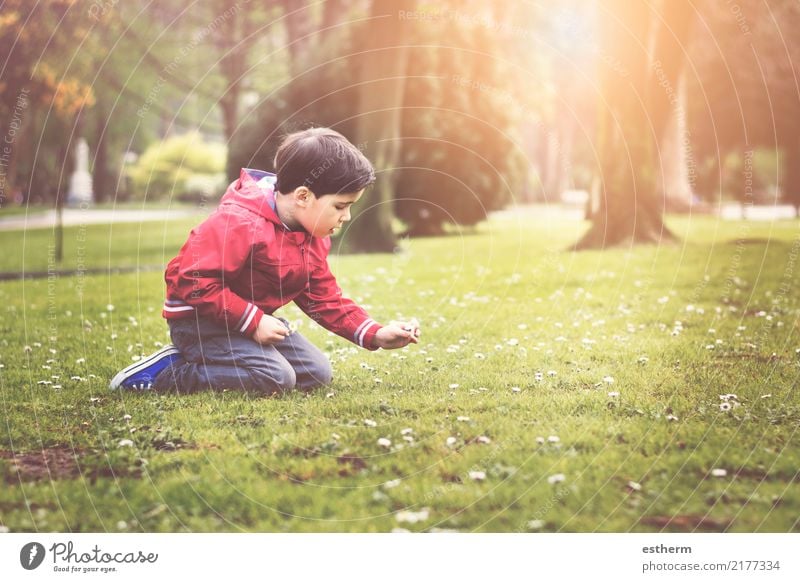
(242, 262)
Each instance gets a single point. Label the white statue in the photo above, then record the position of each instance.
(80, 183)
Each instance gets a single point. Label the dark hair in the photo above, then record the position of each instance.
(323, 161)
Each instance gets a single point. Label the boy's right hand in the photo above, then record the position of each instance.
(270, 330)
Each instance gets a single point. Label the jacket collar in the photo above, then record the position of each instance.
(255, 190)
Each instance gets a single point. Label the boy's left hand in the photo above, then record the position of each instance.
(397, 335)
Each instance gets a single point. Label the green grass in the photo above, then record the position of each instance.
(498, 307)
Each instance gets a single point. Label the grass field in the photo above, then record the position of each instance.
(551, 391)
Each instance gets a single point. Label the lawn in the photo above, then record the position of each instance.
(550, 391)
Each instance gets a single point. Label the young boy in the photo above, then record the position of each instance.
(266, 245)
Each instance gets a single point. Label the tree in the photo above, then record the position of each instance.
(380, 116)
(34, 38)
(746, 91)
(461, 153)
(637, 87)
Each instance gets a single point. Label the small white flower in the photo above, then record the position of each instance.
(369, 422)
(477, 475)
(453, 386)
(384, 442)
(766, 396)
(613, 394)
(725, 406)
(80, 361)
(484, 440)
(515, 389)
(406, 431)
(719, 472)
(462, 419)
(126, 443)
(392, 484)
(480, 356)
(109, 307)
(553, 438)
(412, 516)
(450, 441)
(551, 373)
(608, 379)
(672, 417)
(330, 395)
(535, 524)
(540, 440)
(127, 418)
(557, 478)
(122, 525)
(634, 486)
(643, 359)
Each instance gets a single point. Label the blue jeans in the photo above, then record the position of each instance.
(215, 357)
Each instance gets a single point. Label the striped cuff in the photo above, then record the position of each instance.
(176, 305)
(249, 320)
(365, 333)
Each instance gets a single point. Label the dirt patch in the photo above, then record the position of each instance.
(52, 463)
(354, 462)
(60, 463)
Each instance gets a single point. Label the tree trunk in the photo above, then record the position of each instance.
(632, 122)
(101, 180)
(791, 181)
(300, 35)
(379, 125)
(675, 182)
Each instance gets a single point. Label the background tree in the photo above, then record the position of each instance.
(442, 132)
(35, 84)
(746, 95)
(635, 86)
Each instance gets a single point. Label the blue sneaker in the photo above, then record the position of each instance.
(141, 375)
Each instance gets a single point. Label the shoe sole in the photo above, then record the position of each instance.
(116, 381)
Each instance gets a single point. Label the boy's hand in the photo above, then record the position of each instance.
(270, 330)
(397, 335)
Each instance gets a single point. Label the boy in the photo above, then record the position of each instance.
(266, 245)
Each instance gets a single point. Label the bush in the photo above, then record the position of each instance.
(176, 166)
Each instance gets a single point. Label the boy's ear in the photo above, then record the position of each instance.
(302, 195)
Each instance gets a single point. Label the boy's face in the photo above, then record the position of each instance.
(322, 216)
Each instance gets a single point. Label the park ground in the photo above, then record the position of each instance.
(651, 389)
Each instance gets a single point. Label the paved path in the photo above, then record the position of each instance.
(566, 212)
(79, 217)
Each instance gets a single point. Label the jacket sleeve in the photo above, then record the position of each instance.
(322, 301)
(214, 255)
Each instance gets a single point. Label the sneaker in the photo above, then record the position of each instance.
(141, 375)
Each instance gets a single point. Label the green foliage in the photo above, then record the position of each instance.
(171, 167)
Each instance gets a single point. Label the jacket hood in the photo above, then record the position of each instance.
(254, 190)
